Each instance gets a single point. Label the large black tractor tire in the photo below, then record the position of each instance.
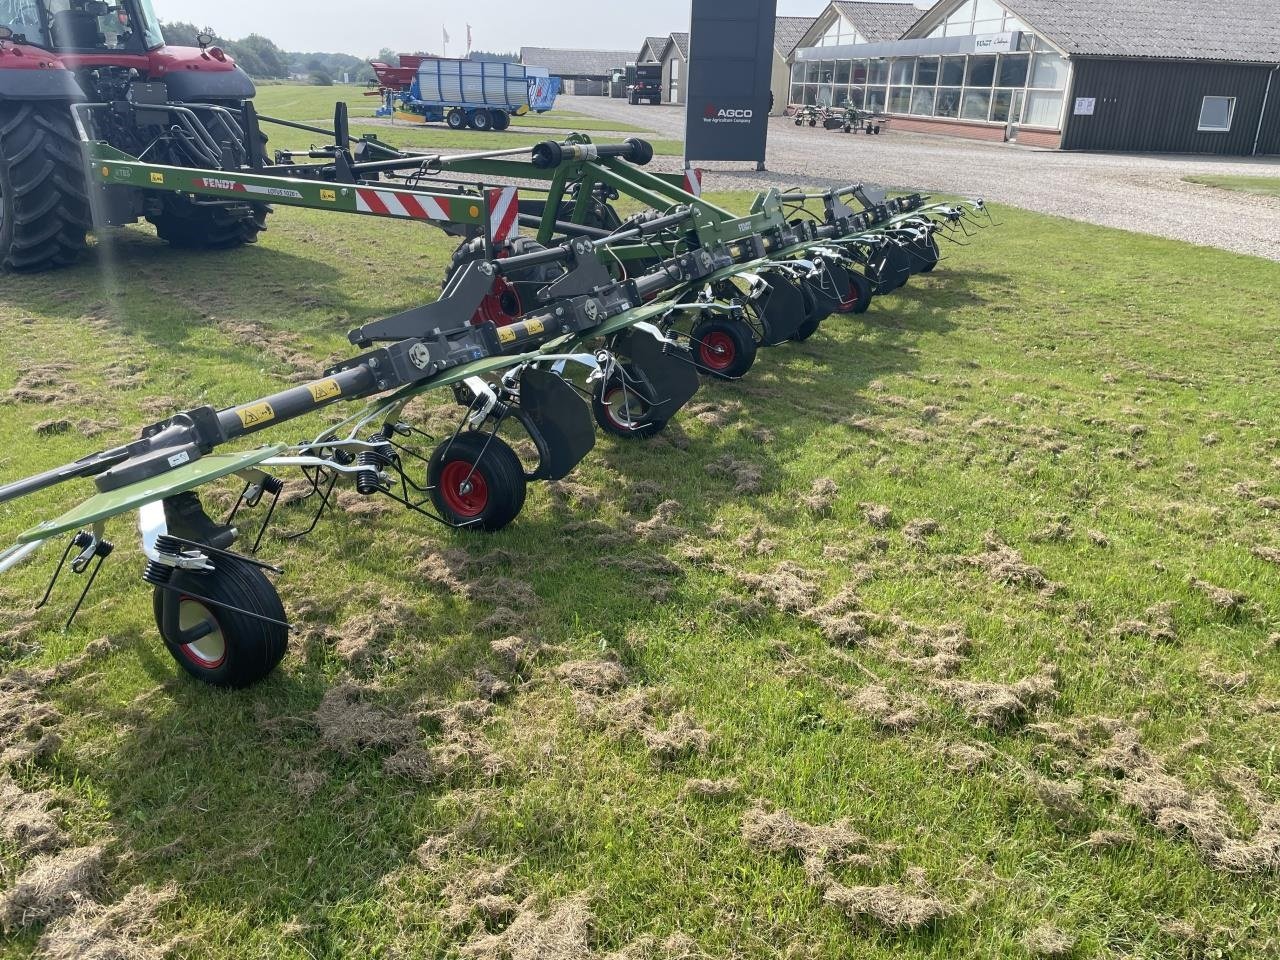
(44, 202)
(724, 349)
(477, 482)
(193, 226)
(501, 120)
(456, 119)
(239, 650)
(619, 409)
(482, 120)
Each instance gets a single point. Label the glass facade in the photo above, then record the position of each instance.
(1026, 86)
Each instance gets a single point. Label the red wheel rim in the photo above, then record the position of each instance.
(192, 651)
(624, 409)
(501, 306)
(464, 489)
(718, 351)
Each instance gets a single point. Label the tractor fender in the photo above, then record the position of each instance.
(29, 73)
(197, 86)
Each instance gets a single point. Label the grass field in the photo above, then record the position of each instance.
(1266, 186)
(951, 633)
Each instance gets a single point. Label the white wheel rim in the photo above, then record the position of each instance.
(210, 650)
(625, 408)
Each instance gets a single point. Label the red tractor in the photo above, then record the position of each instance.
(77, 70)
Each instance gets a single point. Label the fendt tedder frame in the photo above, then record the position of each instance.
(517, 322)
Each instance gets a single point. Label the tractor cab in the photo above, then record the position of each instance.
(83, 26)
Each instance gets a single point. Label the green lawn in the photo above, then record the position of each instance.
(1050, 466)
(1266, 186)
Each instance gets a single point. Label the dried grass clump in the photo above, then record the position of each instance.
(28, 820)
(891, 712)
(1005, 566)
(1001, 705)
(121, 931)
(349, 722)
(820, 848)
(1229, 601)
(887, 905)
(1049, 942)
(747, 477)
(52, 886)
(595, 677)
(788, 587)
(822, 496)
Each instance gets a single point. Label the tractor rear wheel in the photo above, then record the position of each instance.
(44, 202)
(193, 226)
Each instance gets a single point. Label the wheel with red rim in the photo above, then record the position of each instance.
(724, 349)
(230, 623)
(477, 481)
(861, 292)
(620, 406)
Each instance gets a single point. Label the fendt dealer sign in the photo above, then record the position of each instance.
(730, 70)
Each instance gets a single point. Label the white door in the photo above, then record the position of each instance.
(674, 94)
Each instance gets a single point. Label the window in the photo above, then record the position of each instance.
(952, 72)
(1000, 105)
(1044, 108)
(1216, 114)
(900, 100)
(976, 105)
(903, 70)
(858, 74)
(948, 103)
(1049, 72)
(926, 71)
(922, 102)
(877, 72)
(797, 72)
(811, 71)
(857, 95)
(842, 71)
(875, 101)
(982, 72)
(1013, 70)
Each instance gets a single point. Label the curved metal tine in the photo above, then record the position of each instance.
(324, 503)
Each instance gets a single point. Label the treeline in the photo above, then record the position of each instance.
(261, 58)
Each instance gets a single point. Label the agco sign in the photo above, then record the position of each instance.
(714, 114)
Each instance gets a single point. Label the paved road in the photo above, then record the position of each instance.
(1143, 192)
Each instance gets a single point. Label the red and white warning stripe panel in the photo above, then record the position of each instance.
(693, 180)
(392, 203)
(504, 214)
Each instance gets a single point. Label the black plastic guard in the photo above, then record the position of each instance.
(782, 308)
(669, 370)
(830, 287)
(558, 422)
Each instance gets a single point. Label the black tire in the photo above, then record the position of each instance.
(242, 650)
(926, 254)
(482, 120)
(724, 349)
(456, 119)
(814, 313)
(44, 201)
(619, 409)
(888, 269)
(501, 120)
(477, 481)
(193, 226)
(862, 292)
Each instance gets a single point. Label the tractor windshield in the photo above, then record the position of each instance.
(84, 24)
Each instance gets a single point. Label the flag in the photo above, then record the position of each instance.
(445, 31)
(468, 38)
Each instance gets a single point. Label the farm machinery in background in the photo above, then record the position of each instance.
(176, 106)
(847, 118)
(644, 83)
(476, 94)
(590, 314)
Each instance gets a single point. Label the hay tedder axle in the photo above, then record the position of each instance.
(595, 315)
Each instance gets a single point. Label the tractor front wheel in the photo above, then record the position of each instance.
(476, 481)
(44, 203)
(194, 226)
(723, 349)
(231, 619)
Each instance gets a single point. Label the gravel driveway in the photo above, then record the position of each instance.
(1142, 192)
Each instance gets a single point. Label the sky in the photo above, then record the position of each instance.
(365, 27)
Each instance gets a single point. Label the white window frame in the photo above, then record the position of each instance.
(1231, 115)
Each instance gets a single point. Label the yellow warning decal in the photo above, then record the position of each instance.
(256, 415)
(324, 390)
(157, 178)
(329, 196)
(535, 327)
(506, 335)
